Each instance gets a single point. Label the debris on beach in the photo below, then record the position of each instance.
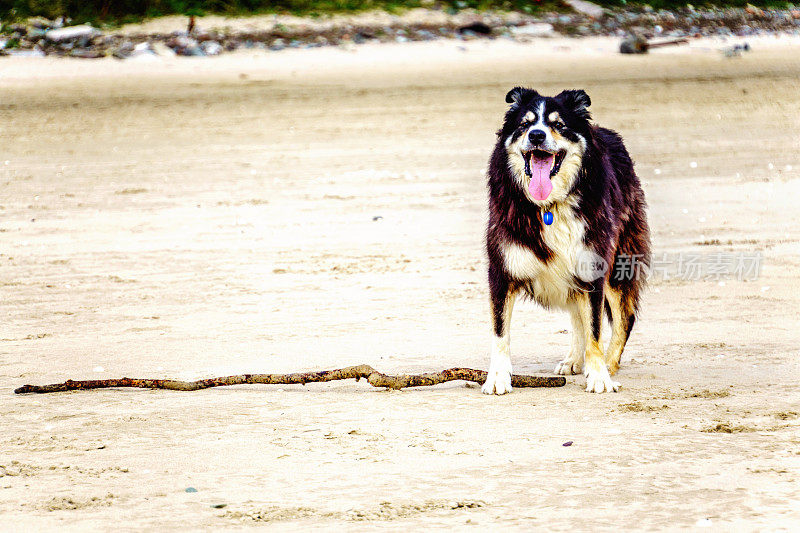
(637, 44)
(38, 37)
(736, 50)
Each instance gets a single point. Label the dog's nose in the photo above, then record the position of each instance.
(537, 136)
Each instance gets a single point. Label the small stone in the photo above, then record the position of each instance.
(539, 29)
(190, 489)
(162, 49)
(71, 33)
(211, 48)
(87, 54)
(568, 443)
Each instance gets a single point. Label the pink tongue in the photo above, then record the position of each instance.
(540, 184)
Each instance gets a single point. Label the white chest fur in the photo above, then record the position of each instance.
(552, 281)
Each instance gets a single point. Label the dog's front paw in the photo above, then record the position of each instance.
(497, 383)
(598, 379)
(569, 366)
(498, 379)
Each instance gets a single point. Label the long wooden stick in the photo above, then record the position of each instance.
(375, 378)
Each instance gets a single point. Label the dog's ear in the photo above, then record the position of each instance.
(577, 100)
(514, 96)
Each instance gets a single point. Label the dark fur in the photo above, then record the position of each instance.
(610, 201)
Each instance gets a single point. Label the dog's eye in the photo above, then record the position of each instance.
(559, 126)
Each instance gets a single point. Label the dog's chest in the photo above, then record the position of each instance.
(550, 281)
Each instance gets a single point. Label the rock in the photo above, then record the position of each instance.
(635, 44)
(479, 28)
(71, 33)
(193, 52)
(35, 33)
(162, 49)
(124, 50)
(753, 10)
(87, 54)
(586, 8)
(142, 51)
(40, 22)
(34, 52)
(185, 46)
(537, 29)
(211, 48)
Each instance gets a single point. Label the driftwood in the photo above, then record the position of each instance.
(636, 44)
(375, 378)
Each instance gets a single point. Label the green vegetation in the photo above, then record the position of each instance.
(120, 11)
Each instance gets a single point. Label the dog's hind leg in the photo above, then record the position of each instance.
(573, 363)
(503, 295)
(594, 366)
(623, 316)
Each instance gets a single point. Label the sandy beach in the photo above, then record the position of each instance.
(312, 209)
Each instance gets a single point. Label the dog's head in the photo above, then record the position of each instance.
(545, 139)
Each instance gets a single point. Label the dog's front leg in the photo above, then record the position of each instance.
(594, 367)
(498, 380)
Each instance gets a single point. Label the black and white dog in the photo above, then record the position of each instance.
(564, 204)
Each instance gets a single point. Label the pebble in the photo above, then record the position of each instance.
(211, 48)
(39, 36)
(190, 489)
(537, 29)
(70, 33)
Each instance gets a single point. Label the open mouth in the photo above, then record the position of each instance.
(544, 160)
(540, 166)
